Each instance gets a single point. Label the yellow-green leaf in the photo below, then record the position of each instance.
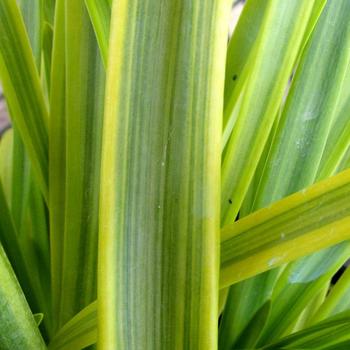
(300, 224)
(21, 83)
(159, 215)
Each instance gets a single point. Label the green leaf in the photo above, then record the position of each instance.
(296, 214)
(320, 336)
(312, 307)
(236, 317)
(79, 332)
(47, 51)
(345, 162)
(310, 108)
(27, 212)
(338, 299)
(22, 89)
(10, 241)
(252, 296)
(317, 10)
(20, 181)
(32, 16)
(296, 152)
(338, 140)
(49, 10)
(57, 154)
(85, 80)
(250, 334)
(159, 215)
(283, 318)
(18, 327)
(242, 42)
(339, 346)
(38, 318)
(6, 163)
(100, 14)
(34, 241)
(300, 224)
(278, 46)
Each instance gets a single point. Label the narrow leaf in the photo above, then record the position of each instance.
(250, 335)
(100, 14)
(47, 52)
(18, 327)
(32, 16)
(10, 242)
(79, 332)
(294, 159)
(338, 299)
(300, 224)
(320, 336)
(310, 108)
(27, 212)
(20, 80)
(84, 112)
(283, 317)
(279, 42)
(239, 51)
(57, 154)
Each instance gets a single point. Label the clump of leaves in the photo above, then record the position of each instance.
(158, 180)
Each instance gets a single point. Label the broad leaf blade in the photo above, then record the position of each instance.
(159, 216)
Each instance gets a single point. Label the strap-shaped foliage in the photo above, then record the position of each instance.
(25, 97)
(283, 101)
(79, 332)
(269, 237)
(100, 13)
(306, 145)
(23, 225)
(84, 97)
(262, 97)
(332, 333)
(159, 228)
(18, 327)
(287, 226)
(294, 157)
(57, 153)
(337, 301)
